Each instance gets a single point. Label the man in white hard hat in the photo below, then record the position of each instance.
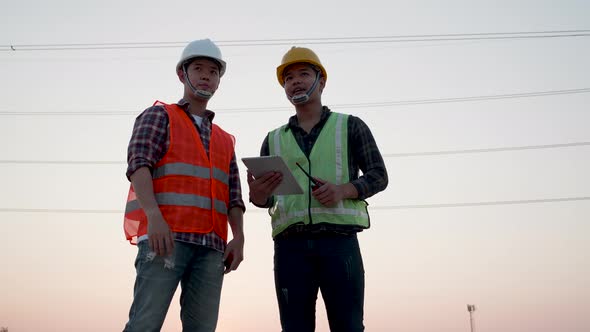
(315, 234)
(185, 189)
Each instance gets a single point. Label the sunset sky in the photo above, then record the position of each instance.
(481, 112)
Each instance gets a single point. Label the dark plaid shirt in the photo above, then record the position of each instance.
(363, 155)
(149, 143)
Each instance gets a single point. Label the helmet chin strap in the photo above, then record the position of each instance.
(304, 97)
(197, 92)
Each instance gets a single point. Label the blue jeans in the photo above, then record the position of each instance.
(198, 269)
(331, 264)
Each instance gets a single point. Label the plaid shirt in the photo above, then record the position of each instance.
(149, 143)
(363, 155)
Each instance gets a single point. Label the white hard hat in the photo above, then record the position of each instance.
(202, 48)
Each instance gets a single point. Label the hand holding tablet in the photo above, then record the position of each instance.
(259, 166)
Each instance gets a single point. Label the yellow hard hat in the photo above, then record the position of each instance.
(299, 55)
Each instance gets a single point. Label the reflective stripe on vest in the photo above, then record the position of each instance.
(328, 160)
(190, 170)
(181, 200)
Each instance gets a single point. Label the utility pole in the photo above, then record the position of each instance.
(471, 309)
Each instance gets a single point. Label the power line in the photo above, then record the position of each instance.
(81, 211)
(386, 155)
(371, 105)
(309, 41)
(63, 162)
(488, 203)
(509, 148)
(384, 207)
(470, 98)
(238, 41)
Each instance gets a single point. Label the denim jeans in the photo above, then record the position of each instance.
(198, 269)
(331, 264)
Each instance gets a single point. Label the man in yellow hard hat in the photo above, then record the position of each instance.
(185, 189)
(315, 234)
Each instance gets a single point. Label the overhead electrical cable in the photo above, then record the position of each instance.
(371, 105)
(465, 151)
(303, 41)
(383, 207)
(385, 155)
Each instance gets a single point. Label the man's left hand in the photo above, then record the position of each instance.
(234, 254)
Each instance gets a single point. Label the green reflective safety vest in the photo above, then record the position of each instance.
(328, 160)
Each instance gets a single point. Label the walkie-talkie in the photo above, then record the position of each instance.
(316, 183)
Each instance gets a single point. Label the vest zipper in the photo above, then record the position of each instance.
(309, 187)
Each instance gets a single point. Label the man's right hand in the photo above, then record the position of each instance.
(159, 235)
(261, 188)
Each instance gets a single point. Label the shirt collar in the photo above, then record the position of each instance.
(294, 123)
(184, 104)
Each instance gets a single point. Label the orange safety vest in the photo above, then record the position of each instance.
(191, 188)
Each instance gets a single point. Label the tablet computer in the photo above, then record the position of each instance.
(258, 166)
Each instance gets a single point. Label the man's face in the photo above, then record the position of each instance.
(299, 78)
(203, 74)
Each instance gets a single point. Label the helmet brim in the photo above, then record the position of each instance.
(282, 67)
(220, 63)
